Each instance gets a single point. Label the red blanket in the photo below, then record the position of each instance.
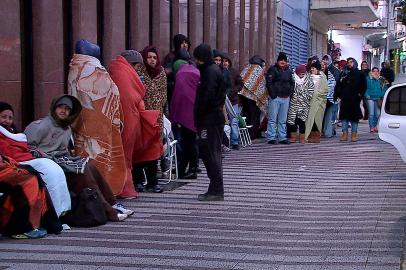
(141, 135)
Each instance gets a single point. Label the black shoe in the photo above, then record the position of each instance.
(155, 189)
(235, 147)
(285, 142)
(198, 170)
(190, 176)
(210, 197)
(139, 188)
(272, 142)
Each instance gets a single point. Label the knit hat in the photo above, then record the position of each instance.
(282, 56)
(5, 106)
(316, 65)
(300, 69)
(177, 64)
(64, 101)
(203, 53)
(132, 56)
(218, 53)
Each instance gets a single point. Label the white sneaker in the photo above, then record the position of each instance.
(122, 210)
(121, 217)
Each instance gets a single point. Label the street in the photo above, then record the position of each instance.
(315, 206)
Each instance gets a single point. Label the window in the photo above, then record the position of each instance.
(396, 101)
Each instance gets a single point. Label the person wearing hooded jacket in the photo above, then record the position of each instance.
(349, 89)
(280, 85)
(180, 42)
(209, 120)
(51, 136)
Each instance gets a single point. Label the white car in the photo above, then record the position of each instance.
(392, 122)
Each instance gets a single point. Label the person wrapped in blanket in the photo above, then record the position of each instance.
(14, 145)
(26, 209)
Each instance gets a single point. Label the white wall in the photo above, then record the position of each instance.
(351, 45)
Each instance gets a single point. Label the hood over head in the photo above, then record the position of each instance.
(178, 40)
(203, 53)
(74, 113)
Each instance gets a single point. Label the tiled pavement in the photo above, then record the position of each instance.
(327, 206)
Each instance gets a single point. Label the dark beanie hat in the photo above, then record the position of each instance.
(5, 106)
(203, 53)
(282, 56)
(300, 69)
(316, 64)
(85, 47)
(218, 53)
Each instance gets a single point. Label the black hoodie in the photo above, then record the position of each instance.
(211, 92)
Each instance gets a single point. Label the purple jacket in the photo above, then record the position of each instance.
(183, 99)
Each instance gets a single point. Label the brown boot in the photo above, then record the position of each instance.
(302, 138)
(354, 136)
(344, 137)
(315, 138)
(293, 137)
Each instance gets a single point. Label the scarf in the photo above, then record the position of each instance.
(152, 71)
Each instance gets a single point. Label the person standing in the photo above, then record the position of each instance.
(154, 79)
(280, 85)
(300, 104)
(253, 95)
(350, 88)
(387, 72)
(209, 120)
(374, 93)
(317, 104)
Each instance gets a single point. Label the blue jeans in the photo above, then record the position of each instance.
(328, 121)
(373, 112)
(354, 126)
(278, 113)
(234, 134)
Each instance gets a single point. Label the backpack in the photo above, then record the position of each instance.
(87, 210)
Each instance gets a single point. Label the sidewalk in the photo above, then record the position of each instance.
(328, 206)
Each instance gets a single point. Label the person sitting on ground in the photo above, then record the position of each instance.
(26, 210)
(14, 145)
(51, 136)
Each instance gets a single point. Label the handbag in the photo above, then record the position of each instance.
(87, 210)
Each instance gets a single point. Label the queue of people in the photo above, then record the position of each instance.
(108, 133)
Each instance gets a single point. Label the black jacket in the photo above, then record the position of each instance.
(350, 88)
(210, 96)
(388, 74)
(279, 82)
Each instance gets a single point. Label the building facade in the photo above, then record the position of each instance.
(37, 38)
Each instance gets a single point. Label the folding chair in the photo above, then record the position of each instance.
(170, 152)
(245, 137)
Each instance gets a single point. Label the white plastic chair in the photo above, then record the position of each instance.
(245, 137)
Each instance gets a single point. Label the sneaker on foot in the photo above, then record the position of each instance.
(155, 189)
(272, 142)
(285, 142)
(122, 210)
(121, 217)
(235, 147)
